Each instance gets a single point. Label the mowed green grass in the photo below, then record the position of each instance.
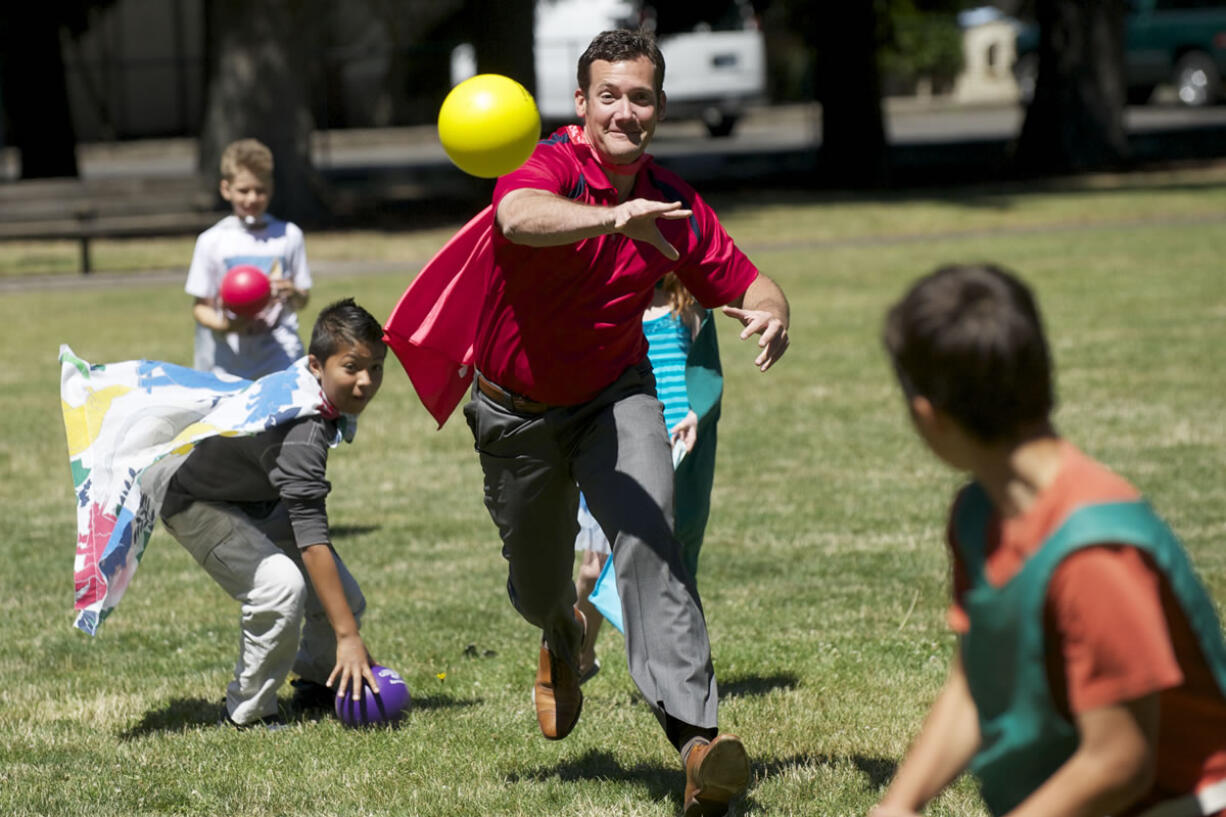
(824, 575)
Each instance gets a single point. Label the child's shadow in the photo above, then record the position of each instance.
(878, 770)
(175, 716)
(188, 713)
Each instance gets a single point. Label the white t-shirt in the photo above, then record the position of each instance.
(277, 247)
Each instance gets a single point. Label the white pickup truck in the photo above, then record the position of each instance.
(715, 63)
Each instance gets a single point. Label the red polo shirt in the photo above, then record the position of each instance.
(559, 324)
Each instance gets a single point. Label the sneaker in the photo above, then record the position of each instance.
(556, 694)
(272, 723)
(310, 696)
(715, 773)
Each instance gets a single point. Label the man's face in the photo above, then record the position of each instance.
(620, 107)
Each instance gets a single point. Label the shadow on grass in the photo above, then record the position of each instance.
(878, 770)
(179, 714)
(669, 781)
(187, 713)
(444, 702)
(659, 781)
(346, 531)
(750, 685)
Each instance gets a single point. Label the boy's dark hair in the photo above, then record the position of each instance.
(617, 46)
(969, 339)
(344, 323)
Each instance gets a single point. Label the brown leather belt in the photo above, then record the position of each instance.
(509, 400)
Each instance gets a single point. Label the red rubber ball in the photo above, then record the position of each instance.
(245, 290)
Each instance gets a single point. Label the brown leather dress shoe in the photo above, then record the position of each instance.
(556, 693)
(715, 774)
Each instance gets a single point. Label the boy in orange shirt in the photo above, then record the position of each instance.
(1091, 670)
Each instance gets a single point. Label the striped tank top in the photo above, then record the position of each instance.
(668, 346)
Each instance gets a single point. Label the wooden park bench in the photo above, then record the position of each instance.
(85, 209)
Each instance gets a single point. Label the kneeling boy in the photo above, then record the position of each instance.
(1091, 672)
(250, 510)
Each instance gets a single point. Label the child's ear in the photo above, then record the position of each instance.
(924, 413)
(315, 366)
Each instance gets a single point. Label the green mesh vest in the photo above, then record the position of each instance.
(1024, 739)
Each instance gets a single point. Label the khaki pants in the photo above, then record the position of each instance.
(282, 625)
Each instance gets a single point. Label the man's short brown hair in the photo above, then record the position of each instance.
(251, 155)
(621, 45)
(969, 339)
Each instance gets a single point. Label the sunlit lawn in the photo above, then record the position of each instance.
(823, 576)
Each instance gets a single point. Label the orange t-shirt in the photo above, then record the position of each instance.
(1114, 630)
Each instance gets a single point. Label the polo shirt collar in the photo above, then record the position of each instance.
(593, 171)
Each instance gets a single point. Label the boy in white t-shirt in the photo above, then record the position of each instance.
(268, 341)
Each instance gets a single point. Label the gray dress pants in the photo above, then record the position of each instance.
(615, 449)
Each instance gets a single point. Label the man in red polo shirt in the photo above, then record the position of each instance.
(564, 398)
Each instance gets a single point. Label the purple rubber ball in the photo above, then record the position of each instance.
(388, 707)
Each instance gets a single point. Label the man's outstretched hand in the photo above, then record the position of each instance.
(772, 328)
(636, 219)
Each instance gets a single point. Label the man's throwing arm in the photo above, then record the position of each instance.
(538, 218)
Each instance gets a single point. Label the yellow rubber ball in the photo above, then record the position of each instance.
(489, 125)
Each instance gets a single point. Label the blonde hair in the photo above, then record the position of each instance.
(251, 155)
(679, 298)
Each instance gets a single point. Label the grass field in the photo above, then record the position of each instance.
(823, 576)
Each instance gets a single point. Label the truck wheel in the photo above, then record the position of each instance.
(1197, 80)
(1139, 94)
(1026, 74)
(720, 126)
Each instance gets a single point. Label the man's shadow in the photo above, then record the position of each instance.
(742, 686)
(747, 686)
(181, 714)
(346, 531)
(662, 782)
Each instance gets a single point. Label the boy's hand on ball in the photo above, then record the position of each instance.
(352, 666)
(636, 219)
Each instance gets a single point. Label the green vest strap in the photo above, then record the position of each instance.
(1024, 739)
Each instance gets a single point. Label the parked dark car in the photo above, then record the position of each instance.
(1181, 43)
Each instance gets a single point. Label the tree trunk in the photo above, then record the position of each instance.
(503, 39)
(1076, 120)
(35, 95)
(260, 59)
(853, 150)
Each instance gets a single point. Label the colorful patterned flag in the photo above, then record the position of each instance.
(130, 425)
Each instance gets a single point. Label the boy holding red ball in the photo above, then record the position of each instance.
(266, 341)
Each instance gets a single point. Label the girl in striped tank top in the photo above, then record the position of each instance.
(681, 341)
